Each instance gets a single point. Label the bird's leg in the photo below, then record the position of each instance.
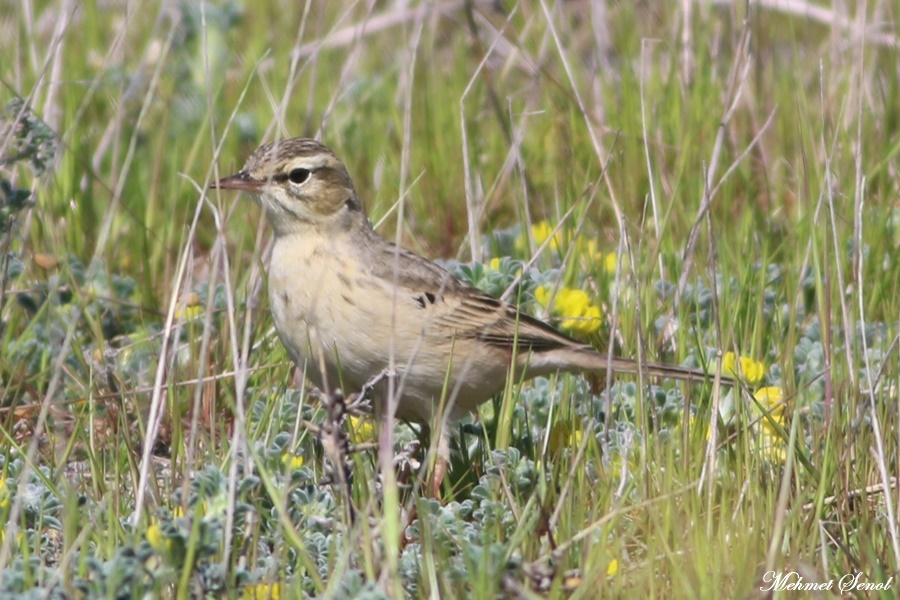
(335, 442)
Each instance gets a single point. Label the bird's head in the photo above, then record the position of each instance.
(299, 183)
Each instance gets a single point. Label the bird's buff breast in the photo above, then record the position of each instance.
(312, 295)
(336, 321)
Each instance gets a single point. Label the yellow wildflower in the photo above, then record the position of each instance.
(363, 429)
(293, 462)
(612, 568)
(262, 591)
(772, 397)
(155, 536)
(4, 495)
(581, 314)
(496, 264)
(542, 295)
(543, 230)
(157, 540)
(586, 250)
(751, 371)
(611, 263)
(592, 255)
(573, 307)
(769, 440)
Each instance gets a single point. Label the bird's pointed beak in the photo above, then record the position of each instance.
(239, 181)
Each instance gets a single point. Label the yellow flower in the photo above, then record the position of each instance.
(294, 462)
(592, 255)
(752, 371)
(154, 536)
(540, 233)
(543, 230)
(772, 397)
(4, 495)
(576, 305)
(496, 264)
(612, 568)
(363, 429)
(542, 295)
(768, 438)
(586, 250)
(612, 262)
(262, 591)
(573, 307)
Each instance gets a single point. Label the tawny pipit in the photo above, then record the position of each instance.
(348, 304)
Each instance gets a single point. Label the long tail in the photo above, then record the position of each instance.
(586, 358)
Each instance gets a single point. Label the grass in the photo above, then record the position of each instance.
(716, 181)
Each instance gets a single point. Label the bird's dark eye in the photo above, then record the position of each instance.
(298, 175)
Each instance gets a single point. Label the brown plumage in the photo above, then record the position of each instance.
(347, 303)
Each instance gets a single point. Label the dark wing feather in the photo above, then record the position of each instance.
(465, 311)
(504, 326)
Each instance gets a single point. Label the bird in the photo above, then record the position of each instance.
(348, 304)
